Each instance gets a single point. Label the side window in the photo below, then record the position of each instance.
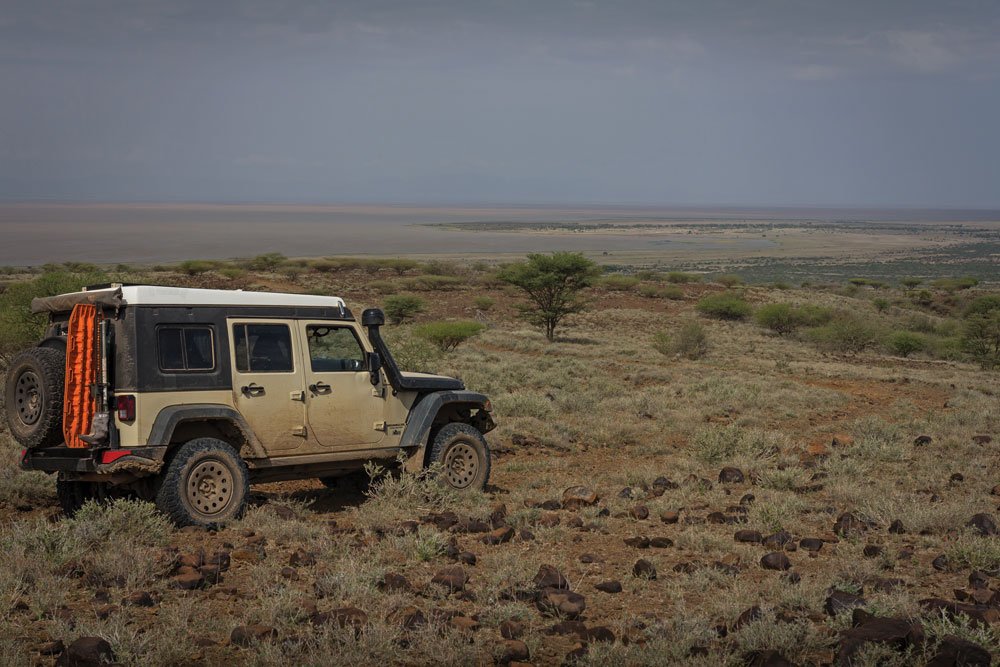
(263, 348)
(185, 348)
(334, 349)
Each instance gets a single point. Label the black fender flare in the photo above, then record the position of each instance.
(170, 417)
(418, 426)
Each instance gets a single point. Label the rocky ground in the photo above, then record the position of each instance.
(766, 504)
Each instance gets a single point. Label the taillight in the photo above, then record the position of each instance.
(126, 408)
(114, 455)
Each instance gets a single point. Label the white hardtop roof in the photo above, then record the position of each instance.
(149, 295)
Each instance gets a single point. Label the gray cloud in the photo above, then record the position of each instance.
(720, 101)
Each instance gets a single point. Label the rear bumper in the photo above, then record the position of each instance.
(141, 460)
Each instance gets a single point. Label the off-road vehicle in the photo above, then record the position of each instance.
(187, 396)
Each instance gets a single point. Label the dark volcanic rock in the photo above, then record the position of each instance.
(747, 617)
(609, 587)
(897, 527)
(670, 516)
(730, 475)
(578, 496)
(87, 652)
(661, 542)
(873, 550)
(778, 540)
(748, 536)
(897, 633)
(977, 613)
(982, 439)
(848, 525)
(811, 544)
(564, 603)
(499, 536)
(983, 524)
(511, 629)
(922, 440)
(637, 542)
(841, 601)
(453, 578)
(956, 652)
(514, 650)
(940, 563)
(644, 569)
(775, 561)
(393, 581)
(639, 512)
(550, 577)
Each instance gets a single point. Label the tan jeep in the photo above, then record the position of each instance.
(187, 396)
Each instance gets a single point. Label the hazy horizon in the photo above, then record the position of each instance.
(720, 103)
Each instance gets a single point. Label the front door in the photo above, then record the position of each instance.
(268, 382)
(345, 411)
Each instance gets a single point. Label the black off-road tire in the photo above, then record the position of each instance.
(205, 483)
(462, 452)
(33, 399)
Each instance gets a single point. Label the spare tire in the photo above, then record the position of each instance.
(33, 401)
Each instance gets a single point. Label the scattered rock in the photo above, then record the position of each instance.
(550, 577)
(576, 497)
(408, 618)
(956, 652)
(393, 581)
(940, 563)
(302, 558)
(812, 544)
(463, 623)
(52, 648)
(897, 527)
(661, 542)
(343, 616)
(511, 629)
(590, 558)
(897, 633)
(979, 580)
(640, 512)
(564, 603)
(637, 542)
(466, 557)
(600, 633)
(565, 628)
(748, 499)
(718, 518)
(983, 524)
(454, 578)
(748, 536)
(609, 587)
(526, 535)
(775, 560)
(499, 536)
(548, 520)
(922, 440)
(730, 475)
(247, 556)
(746, 617)
(470, 525)
(670, 516)
(873, 550)
(982, 439)
(956, 477)
(187, 582)
(841, 601)
(247, 635)
(778, 540)
(87, 652)
(644, 569)
(290, 573)
(514, 650)
(848, 525)
(978, 613)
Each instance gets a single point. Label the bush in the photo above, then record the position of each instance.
(867, 282)
(432, 282)
(680, 277)
(400, 266)
(552, 284)
(232, 272)
(400, 307)
(411, 353)
(981, 338)
(690, 341)
(781, 318)
(729, 280)
(846, 333)
(483, 302)
(440, 267)
(194, 267)
(448, 335)
(725, 306)
(955, 284)
(382, 286)
(266, 262)
(983, 305)
(619, 283)
(671, 292)
(905, 343)
(881, 305)
(910, 283)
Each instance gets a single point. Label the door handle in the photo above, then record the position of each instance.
(320, 388)
(252, 389)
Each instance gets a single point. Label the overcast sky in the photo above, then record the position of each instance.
(778, 102)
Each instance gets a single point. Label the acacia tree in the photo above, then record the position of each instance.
(553, 284)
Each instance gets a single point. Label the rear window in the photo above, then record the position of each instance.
(185, 349)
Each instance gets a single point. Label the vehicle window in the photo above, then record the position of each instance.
(334, 349)
(185, 348)
(263, 348)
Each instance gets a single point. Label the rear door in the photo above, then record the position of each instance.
(344, 410)
(268, 381)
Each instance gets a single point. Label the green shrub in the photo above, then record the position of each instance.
(440, 267)
(781, 285)
(983, 305)
(690, 341)
(400, 307)
(781, 318)
(266, 262)
(618, 282)
(910, 283)
(923, 298)
(812, 315)
(410, 352)
(867, 282)
(955, 284)
(448, 335)
(881, 305)
(905, 343)
(729, 280)
(672, 292)
(400, 266)
(725, 306)
(432, 282)
(292, 271)
(483, 302)
(382, 286)
(981, 338)
(846, 333)
(232, 272)
(324, 265)
(194, 267)
(680, 277)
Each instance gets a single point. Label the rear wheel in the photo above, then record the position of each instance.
(462, 452)
(205, 484)
(33, 401)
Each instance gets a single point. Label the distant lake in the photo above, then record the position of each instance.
(32, 234)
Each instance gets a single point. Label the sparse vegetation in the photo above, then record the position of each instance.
(401, 307)
(690, 341)
(448, 335)
(724, 306)
(553, 284)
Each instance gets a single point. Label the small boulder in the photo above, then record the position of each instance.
(564, 603)
(453, 578)
(873, 550)
(982, 439)
(899, 634)
(730, 475)
(644, 569)
(576, 497)
(775, 560)
(499, 536)
(748, 536)
(953, 651)
(841, 601)
(848, 525)
(637, 542)
(670, 516)
(187, 582)
(922, 440)
(393, 581)
(514, 650)
(812, 544)
(511, 629)
(87, 652)
(983, 524)
(897, 527)
(639, 512)
(609, 587)
(550, 577)
(661, 542)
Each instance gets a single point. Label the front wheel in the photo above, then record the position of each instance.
(462, 452)
(205, 484)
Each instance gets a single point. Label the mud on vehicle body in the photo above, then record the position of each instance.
(187, 396)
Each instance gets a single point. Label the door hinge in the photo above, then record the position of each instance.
(298, 395)
(378, 392)
(299, 431)
(380, 426)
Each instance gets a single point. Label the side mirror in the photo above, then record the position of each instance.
(374, 366)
